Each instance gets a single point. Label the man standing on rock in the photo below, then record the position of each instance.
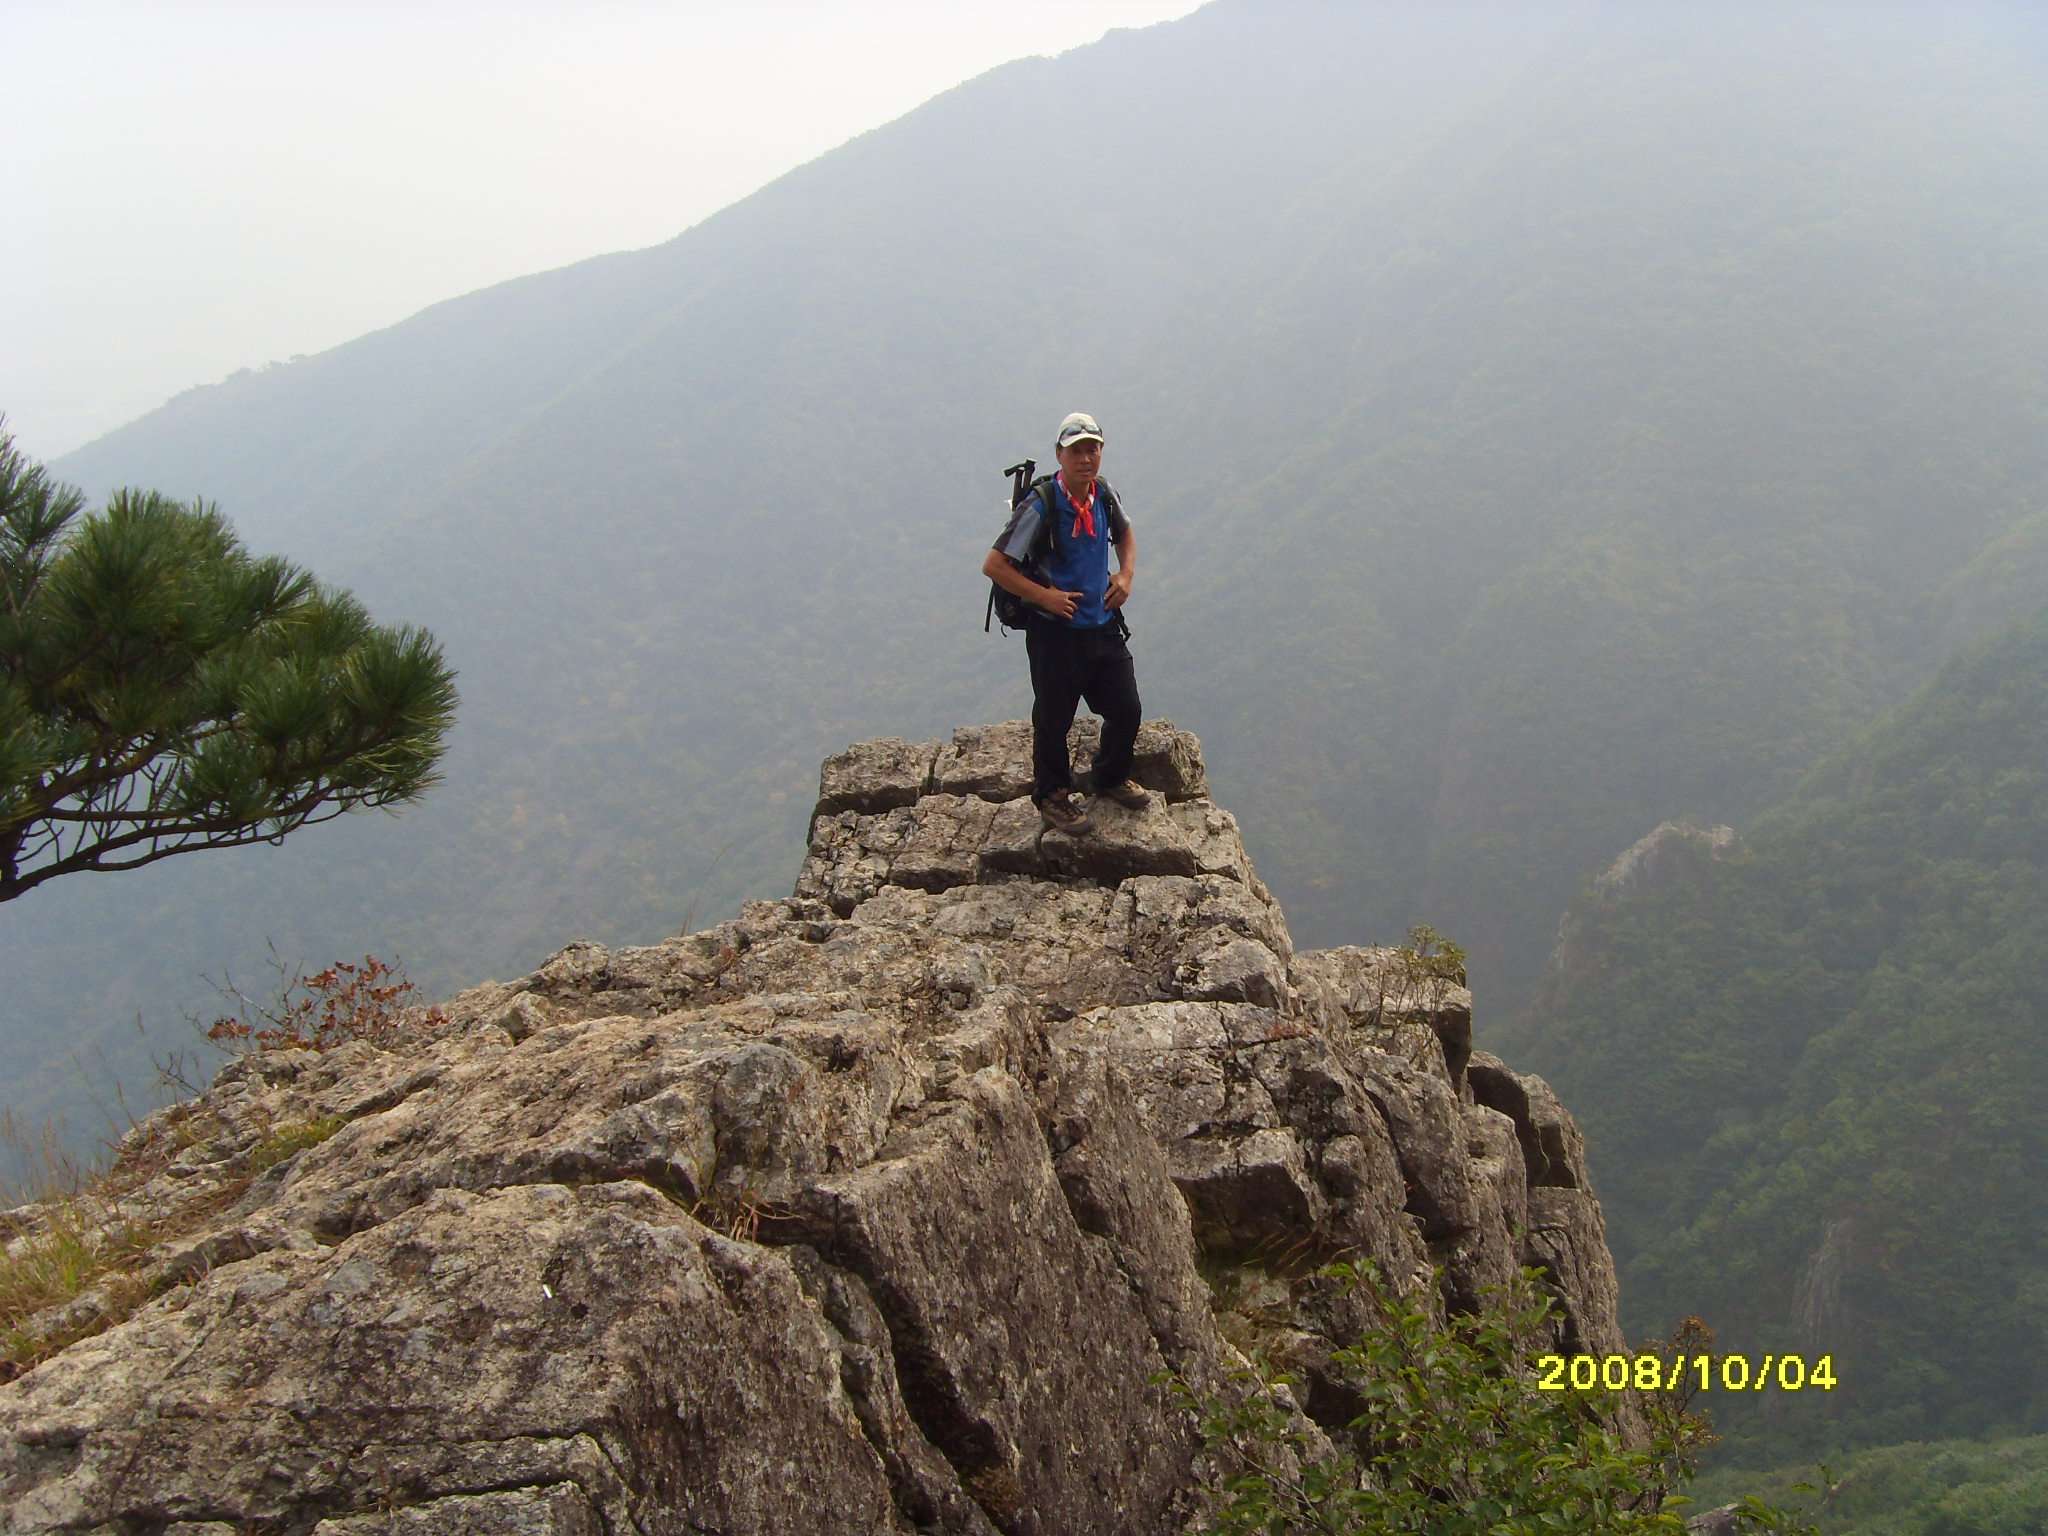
(1075, 638)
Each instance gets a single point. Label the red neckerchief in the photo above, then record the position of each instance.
(1084, 511)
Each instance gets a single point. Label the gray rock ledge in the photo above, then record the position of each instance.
(879, 1209)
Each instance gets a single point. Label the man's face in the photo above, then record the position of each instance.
(1081, 461)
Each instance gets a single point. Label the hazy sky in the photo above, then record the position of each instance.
(188, 187)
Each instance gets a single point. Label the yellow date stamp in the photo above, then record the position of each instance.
(1653, 1373)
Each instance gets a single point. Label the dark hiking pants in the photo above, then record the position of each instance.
(1067, 666)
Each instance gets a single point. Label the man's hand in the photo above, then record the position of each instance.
(1060, 605)
(1119, 589)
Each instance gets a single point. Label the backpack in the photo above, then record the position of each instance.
(1007, 608)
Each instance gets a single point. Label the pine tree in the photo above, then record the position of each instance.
(162, 690)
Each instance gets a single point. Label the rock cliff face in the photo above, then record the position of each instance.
(879, 1209)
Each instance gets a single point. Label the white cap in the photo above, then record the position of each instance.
(1077, 428)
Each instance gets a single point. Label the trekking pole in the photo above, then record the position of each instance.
(1020, 481)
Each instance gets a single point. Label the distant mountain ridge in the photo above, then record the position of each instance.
(1539, 422)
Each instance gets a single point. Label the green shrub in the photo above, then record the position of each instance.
(1455, 1438)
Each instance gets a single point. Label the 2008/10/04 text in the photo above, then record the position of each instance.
(1653, 1373)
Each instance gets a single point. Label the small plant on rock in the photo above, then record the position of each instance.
(290, 1139)
(369, 1001)
(1425, 970)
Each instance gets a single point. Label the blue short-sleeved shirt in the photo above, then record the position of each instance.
(1076, 563)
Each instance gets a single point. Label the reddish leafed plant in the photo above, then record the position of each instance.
(366, 1000)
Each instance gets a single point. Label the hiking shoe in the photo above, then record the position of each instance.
(1062, 815)
(1130, 794)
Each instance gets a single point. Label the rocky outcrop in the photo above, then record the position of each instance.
(1651, 863)
(889, 1207)
(1648, 861)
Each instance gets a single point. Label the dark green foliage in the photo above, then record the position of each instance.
(1812, 1073)
(163, 691)
(1455, 1438)
(1942, 1488)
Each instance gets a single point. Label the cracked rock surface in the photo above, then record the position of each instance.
(883, 1208)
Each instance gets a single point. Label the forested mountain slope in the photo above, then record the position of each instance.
(1811, 1062)
(1539, 421)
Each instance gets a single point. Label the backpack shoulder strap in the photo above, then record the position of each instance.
(1115, 509)
(1042, 545)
